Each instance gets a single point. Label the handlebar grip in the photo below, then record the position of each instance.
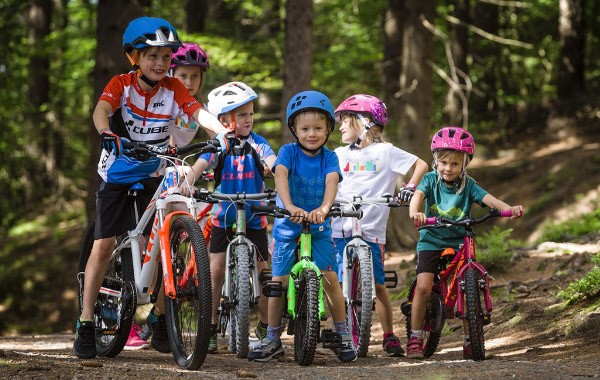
(508, 214)
(261, 208)
(431, 221)
(352, 213)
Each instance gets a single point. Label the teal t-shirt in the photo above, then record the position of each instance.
(441, 200)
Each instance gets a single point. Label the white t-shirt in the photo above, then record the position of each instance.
(370, 172)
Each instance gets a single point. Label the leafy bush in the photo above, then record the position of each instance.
(588, 286)
(494, 249)
(571, 229)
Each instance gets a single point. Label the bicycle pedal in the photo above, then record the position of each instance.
(487, 319)
(272, 288)
(391, 279)
(330, 339)
(265, 275)
(405, 307)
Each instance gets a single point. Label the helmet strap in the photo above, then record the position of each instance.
(367, 125)
(134, 60)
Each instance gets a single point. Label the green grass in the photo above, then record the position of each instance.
(586, 287)
(571, 229)
(495, 249)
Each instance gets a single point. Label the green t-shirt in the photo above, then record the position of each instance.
(441, 200)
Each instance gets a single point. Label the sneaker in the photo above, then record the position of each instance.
(467, 351)
(414, 348)
(268, 349)
(160, 337)
(85, 340)
(391, 346)
(346, 352)
(212, 344)
(134, 342)
(260, 331)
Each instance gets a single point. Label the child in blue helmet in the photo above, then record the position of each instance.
(140, 106)
(306, 178)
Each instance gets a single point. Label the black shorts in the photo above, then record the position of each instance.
(220, 238)
(114, 214)
(428, 261)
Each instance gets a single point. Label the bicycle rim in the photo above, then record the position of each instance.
(113, 311)
(360, 309)
(189, 314)
(474, 314)
(307, 326)
(241, 311)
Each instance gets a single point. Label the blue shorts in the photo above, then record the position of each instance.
(377, 254)
(284, 255)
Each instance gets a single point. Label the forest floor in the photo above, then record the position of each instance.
(533, 334)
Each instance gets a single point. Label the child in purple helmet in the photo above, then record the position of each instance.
(449, 192)
(188, 64)
(370, 167)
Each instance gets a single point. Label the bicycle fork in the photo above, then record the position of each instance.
(483, 285)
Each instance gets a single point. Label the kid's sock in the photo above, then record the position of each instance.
(81, 320)
(340, 327)
(273, 333)
(416, 333)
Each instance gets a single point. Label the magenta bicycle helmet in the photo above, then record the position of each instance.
(368, 105)
(453, 138)
(190, 54)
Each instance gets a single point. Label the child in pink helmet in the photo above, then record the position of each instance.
(188, 64)
(370, 167)
(449, 192)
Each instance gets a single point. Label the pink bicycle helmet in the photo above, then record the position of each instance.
(190, 54)
(370, 105)
(454, 138)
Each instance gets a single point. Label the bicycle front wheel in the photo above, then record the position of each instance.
(188, 315)
(360, 308)
(307, 324)
(113, 311)
(241, 296)
(474, 314)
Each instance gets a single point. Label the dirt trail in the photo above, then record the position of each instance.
(530, 337)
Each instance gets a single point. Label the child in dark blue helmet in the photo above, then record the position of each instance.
(306, 178)
(140, 106)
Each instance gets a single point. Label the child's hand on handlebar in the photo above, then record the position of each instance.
(318, 215)
(517, 211)
(419, 218)
(297, 215)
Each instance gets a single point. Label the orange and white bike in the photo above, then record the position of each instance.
(175, 258)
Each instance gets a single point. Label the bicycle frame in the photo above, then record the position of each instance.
(453, 294)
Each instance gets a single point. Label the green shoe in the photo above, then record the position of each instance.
(212, 344)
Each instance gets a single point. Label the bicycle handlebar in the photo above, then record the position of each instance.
(440, 221)
(141, 149)
(385, 199)
(210, 197)
(279, 212)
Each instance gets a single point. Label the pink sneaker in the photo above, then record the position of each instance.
(134, 342)
(414, 348)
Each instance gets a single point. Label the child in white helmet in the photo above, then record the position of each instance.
(241, 170)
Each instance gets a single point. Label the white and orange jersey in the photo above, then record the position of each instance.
(140, 115)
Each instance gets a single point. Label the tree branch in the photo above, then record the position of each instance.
(489, 36)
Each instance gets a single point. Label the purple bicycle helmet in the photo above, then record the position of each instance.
(453, 138)
(368, 105)
(190, 54)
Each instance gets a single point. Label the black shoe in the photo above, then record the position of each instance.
(160, 337)
(268, 349)
(392, 347)
(85, 340)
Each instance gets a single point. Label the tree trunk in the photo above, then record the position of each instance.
(297, 72)
(112, 19)
(415, 96)
(195, 11)
(572, 44)
(39, 175)
(460, 50)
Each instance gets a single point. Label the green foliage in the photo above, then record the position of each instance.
(588, 286)
(571, 229)
(494, 248)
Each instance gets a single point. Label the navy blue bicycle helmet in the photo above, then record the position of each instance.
(150, 31)
(310, 101)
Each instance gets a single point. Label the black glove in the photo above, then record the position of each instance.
(406, 192)
(110, 142)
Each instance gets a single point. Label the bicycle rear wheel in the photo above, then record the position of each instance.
(360, 309)
(307, 324)
(474, 314)
(240, 314)
(115, 305)
(188, 315)
(432, 324)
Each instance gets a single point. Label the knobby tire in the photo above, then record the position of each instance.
(474, 315)
(241, 311)
(307, 324)
(188, 316)
(360, 308)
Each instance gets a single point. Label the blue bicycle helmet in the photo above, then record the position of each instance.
(150, 31)
(310, 101)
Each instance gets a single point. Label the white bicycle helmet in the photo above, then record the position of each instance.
(228, 97)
